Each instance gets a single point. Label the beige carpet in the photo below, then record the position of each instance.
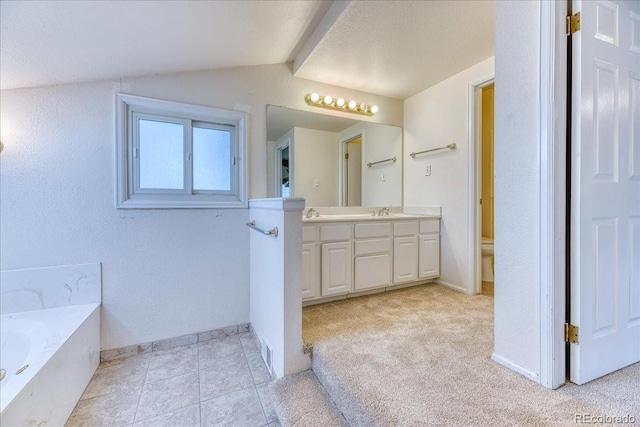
(421, 356)
(316, 410)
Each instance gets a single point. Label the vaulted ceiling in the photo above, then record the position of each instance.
(391, 48)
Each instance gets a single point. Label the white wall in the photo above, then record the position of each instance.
(380, 142)
(165, 272)
(517, 173)
(316, 154)
(433, 118)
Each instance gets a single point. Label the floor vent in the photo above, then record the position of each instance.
(267, 354)
(269, 357)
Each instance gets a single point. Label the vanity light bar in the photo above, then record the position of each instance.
(340, 104)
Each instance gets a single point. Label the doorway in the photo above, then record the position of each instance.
(352, 172)
(283, 171)
(486, 194)
(481, 186)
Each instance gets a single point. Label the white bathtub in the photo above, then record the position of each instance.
(61, 347)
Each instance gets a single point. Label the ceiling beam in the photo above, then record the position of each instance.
(318, 34)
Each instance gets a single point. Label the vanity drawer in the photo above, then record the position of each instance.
(375, 246)
(430, 226)
(308, 233)
(405, 228)
(332, 233)
(372, 229)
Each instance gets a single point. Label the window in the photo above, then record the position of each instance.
(173, 155)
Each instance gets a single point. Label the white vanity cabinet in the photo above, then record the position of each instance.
(341, 257)
(335, 259)
(372, 255)
(405, 251)
(429, 251)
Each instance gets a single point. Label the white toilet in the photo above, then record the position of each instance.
(487, 260)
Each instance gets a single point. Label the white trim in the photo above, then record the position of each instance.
(342, 139)
(552, 192)
(474, 284)
(514, 367)
(285, 141)
(450, 285)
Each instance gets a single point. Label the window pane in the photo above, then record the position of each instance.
(161, 154)
(211, 159)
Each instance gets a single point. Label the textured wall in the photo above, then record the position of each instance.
(434, 118)
(517, 172)
(165, 272)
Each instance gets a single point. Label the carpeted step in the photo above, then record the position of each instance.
(343, 397)
(301, 401)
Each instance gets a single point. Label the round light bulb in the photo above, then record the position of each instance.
(352, 105)
(374, 109)
(328, 100)
(363, 107)
(315, 97)
(340, 102)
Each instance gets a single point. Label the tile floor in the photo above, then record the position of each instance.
(222, 382)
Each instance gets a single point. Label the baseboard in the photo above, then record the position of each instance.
(451, 285)
(167, 343)
(408, 285)
(517, 368)
(367, 292)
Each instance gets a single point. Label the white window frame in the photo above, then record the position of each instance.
(128, 194)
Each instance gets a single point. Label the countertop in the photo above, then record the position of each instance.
(366, 217)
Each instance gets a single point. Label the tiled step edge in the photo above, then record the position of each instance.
(301, 401)
(339, 392)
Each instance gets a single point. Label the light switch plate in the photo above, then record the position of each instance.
(427, 171)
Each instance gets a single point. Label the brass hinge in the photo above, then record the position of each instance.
(346, 156)
(571, 333)
(573, 23)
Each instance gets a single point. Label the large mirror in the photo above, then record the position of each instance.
(332, 161)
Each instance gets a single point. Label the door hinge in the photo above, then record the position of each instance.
(571, 333)
(233, 160)
(346, 156)
(136, 153)
(573, 23)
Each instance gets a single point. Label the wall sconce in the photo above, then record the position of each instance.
(340, 104)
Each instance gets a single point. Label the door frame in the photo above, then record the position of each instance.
(280, 146)
(342, 140)
(553, 191)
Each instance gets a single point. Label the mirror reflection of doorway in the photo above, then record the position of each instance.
(282, 171)
(352, 172)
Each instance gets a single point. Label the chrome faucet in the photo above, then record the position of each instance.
(383, 211)
(311, 211)
(373, 213)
